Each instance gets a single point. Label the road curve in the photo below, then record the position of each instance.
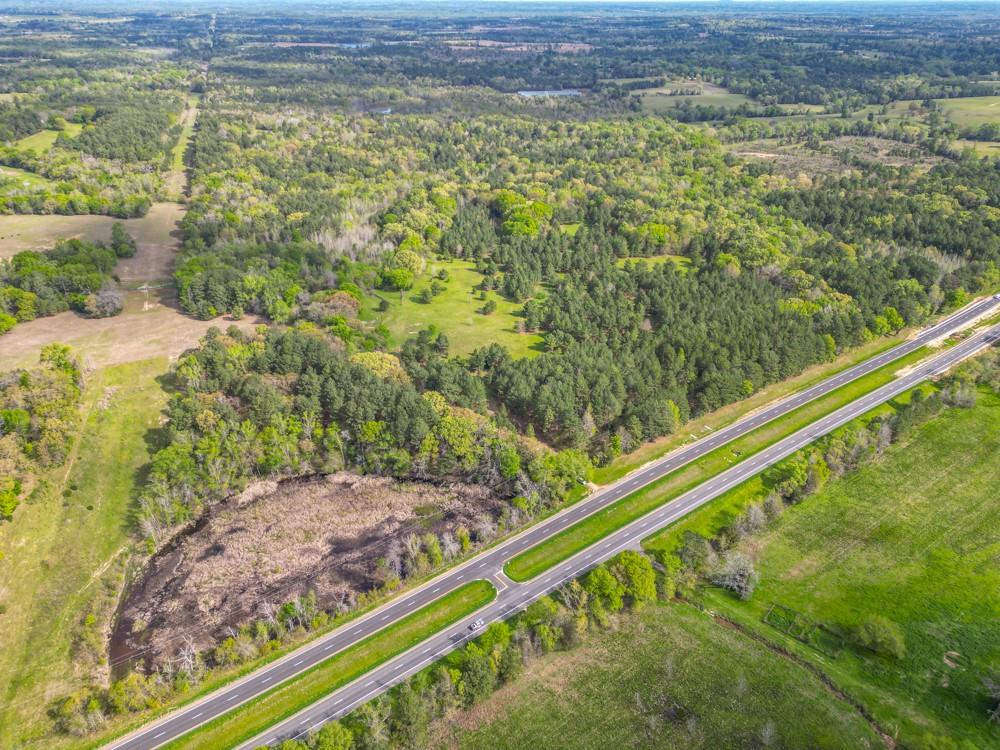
(489, 564)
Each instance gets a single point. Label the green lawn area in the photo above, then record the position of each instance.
(187, 120)
(43, 140)
(65, 548)
(574, 538)
(287, 699)
(912, 537)
(455, 312)
(25, 179)
(666, 677)
(971, 110)
(658, 100)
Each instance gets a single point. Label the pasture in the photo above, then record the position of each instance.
(913, 538)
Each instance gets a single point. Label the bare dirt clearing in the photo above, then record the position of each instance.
(149, 327)
(277, 541)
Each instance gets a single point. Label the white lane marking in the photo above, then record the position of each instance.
(328, 647)
(265, 680)
(197, 714)
(461, 576)
(298, 662)
(385, 618)
(436, 590)
(159, 735)
(356, 631)
(232, 698)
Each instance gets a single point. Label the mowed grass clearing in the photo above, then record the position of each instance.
(455, 312)
(912, 537)
(285, 700)
(65, 548)
(44, 140)
(25, 180)
(659, 99)
(971, 111)
(582, 534)
(666, 677)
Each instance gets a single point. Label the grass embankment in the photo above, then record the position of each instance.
(666, 677)
(285, 700)
(728, 414)
(65, 550)
(575, 538)
(455, 312)
(912, 537)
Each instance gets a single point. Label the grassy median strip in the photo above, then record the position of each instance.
(581, 535)
(728, 414)
(287, 699)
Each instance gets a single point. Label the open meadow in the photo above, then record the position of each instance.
(64, 558)
(669, 677)
(456, 313)
(911, 538)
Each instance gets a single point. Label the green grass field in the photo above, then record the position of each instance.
(668, 677)
(455, 312)
(971, 111)
(64, 550)
(574, 538)
(657, 100)
(285, 700)
(43, 140)
(912, 537)
(25, 180)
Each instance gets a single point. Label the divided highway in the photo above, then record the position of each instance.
(512, 597)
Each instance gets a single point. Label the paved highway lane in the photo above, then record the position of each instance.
(488, 563)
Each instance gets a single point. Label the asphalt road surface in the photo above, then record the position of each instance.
(512, 596)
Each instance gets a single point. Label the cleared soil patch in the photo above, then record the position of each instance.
(277, 541)
(149, 327)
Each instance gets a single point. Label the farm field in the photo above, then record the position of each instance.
(64, 556)
(972, 110)
(31, 232)
(657, 100)
(26, 180)
(455, 312)
(669, 676)
(911, 538)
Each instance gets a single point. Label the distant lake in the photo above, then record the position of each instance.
(551, 92)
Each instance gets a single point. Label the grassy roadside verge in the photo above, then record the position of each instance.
(287, 699)
(730, 413)
(573, 539)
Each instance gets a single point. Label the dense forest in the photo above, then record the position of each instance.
(483, 251)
